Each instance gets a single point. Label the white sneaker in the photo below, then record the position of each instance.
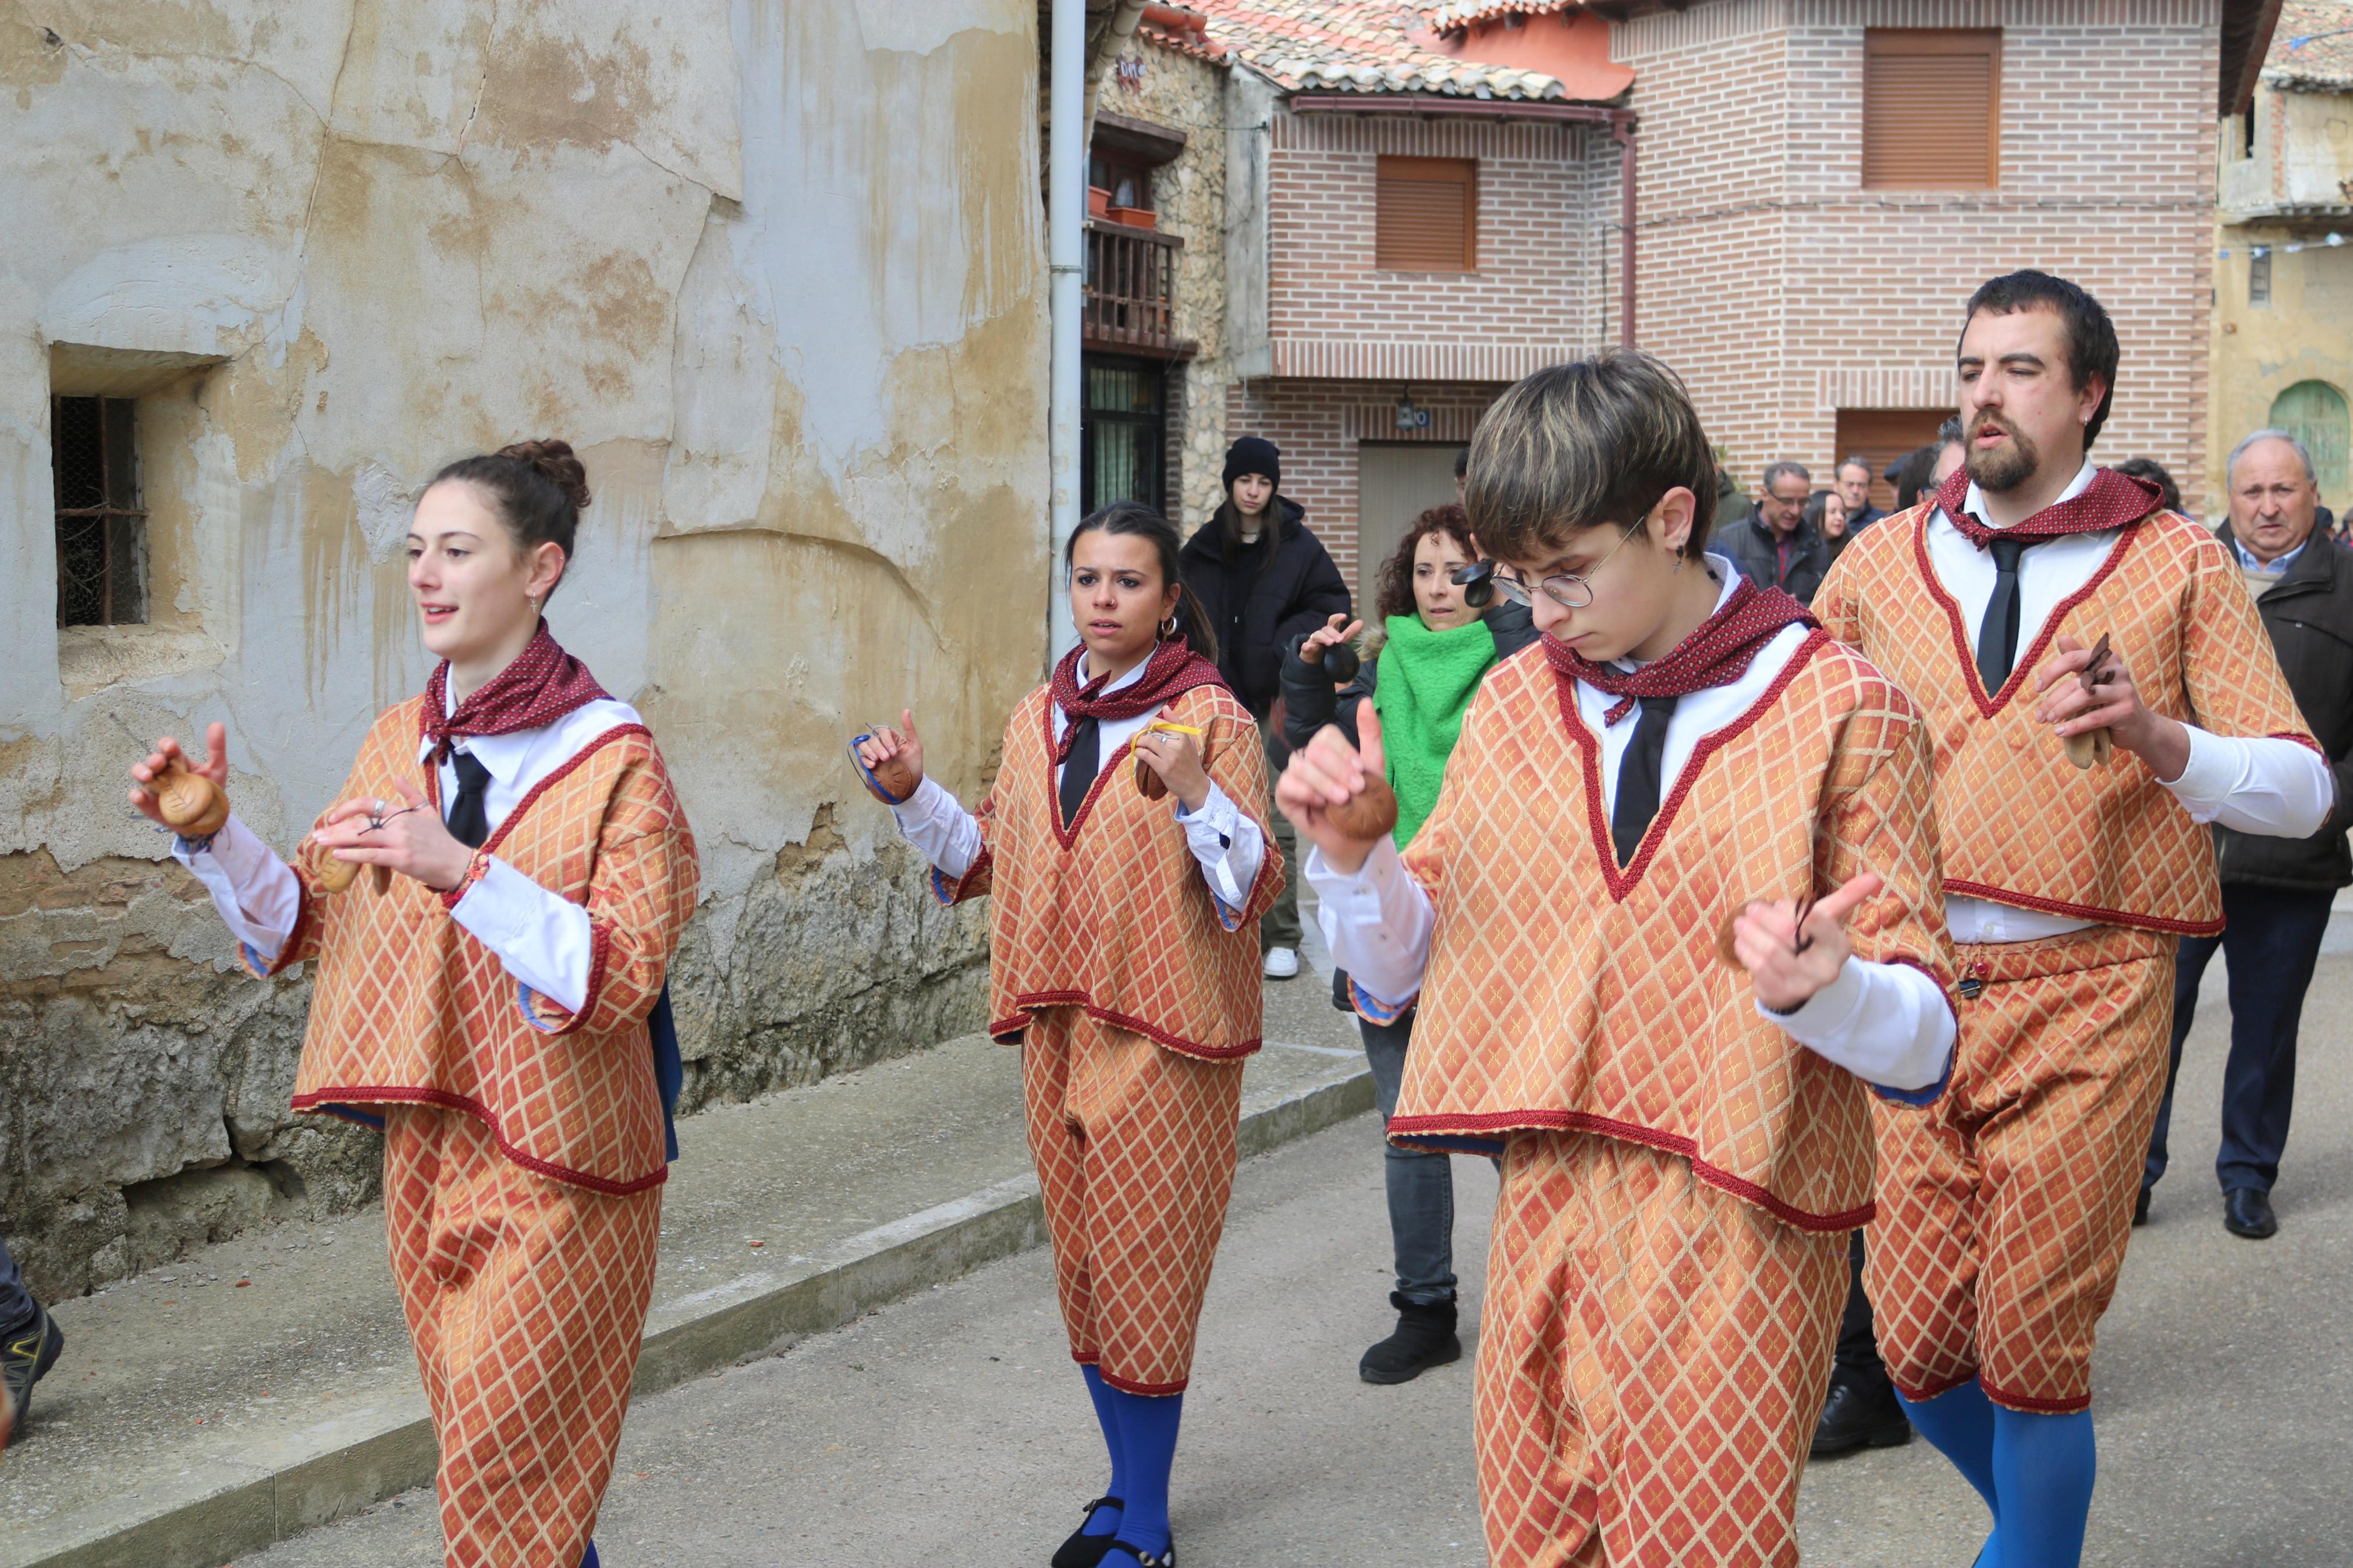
(1281, 964)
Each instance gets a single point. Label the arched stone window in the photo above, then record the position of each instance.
(2313, 412)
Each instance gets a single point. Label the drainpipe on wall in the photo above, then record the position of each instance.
(1066, 207)
(1622, 126)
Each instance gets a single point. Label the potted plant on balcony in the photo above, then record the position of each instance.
(1098, 201)
(1134, 217)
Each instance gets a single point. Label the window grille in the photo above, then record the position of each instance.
(101, 526)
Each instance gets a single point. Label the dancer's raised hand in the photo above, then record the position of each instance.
(1326, 775)
(159, 761)
(1788, 962)
(887, 746)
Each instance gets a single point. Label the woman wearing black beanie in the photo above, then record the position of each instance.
(1263, 581)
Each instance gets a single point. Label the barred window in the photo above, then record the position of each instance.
(102, 525)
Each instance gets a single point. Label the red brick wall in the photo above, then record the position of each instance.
(1784, 292)
(1546, 194)
(1317, 424)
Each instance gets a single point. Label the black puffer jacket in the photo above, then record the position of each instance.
(1259, 610)
(2310, 617)
(1310, 701)
(1761, 557)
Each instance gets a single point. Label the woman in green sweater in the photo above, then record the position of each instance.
(1434, 651)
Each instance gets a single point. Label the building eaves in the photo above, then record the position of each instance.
(2312, 48)
(1361, 46)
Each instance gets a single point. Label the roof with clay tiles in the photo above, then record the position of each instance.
(1365, 46)
(1445, 18)
(2312, 46)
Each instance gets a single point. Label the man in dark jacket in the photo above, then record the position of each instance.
(2275, 892)
(1774, 544)
(1855, 488)
(1263, 582)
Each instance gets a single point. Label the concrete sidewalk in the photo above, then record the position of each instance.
(266, 1385)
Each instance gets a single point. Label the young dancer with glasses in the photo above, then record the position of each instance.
(1676, 907)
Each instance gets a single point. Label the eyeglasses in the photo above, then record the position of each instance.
(1481, 582)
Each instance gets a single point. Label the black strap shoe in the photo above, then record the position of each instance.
(2248, 1213)
(26, 1353)
(1081, 1549)
(1424, 1339)
(1861, 1412)
(1144, 1559)
(2141, 1207)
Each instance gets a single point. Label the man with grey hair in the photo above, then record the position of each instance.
(1774, 545)
(2275, 892)
(1855, 488)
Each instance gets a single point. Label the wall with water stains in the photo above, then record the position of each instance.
(776, 266)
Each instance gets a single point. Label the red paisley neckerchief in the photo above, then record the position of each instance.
(2111, 500)
(1719, 652)
(540, 687)
(1173, 670)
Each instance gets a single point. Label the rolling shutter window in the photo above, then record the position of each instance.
(1931, 109)
(1426, 214)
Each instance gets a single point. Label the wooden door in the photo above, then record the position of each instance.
(1397, 481)
(1879, 436)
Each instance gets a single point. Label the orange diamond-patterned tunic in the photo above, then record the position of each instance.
(2005, 1205)
(1135, 995)
(1679, 1175)
(523, 1151)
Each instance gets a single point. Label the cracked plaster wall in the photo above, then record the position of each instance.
(775, 268)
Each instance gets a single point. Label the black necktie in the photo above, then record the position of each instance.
(1638, 777)
(1998, 633)
(469, 820)
(1078, 768)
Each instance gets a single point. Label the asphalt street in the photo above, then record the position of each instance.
(952, 1428)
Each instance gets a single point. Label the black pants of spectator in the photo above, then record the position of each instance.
(1858, 1346)
(16, 1304)
(2271, 937)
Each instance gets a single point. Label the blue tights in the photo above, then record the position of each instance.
(588, 1558)
(1140, 1432)
(2035, 1472)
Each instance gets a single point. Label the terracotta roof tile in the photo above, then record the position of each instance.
(1365, 46)
(2325, 58)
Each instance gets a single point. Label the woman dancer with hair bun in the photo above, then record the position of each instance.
(491, 907)
(1122, 954)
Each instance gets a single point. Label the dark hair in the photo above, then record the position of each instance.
(1394, 594)
(2091, 336)
(1818, 507)
(1461, 461)
(1912, 476)
(1133, 517)
(1575, 445)
(2169, 493)
(538, 489)
(1228, 519)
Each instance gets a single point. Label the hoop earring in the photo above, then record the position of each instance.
(1169, 628)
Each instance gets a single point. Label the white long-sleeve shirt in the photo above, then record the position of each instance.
(1887, 1023)
(2254, 783)
(1225, 841)
(541, 938)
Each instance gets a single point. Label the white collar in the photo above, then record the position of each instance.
(1974, 502)
(1086, 662)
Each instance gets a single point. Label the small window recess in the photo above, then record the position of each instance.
(101, 523)
(2259, 277)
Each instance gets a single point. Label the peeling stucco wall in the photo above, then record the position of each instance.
(775, 266)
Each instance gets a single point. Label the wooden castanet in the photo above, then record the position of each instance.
(1372, 814)
(335, 875)
(893, 783)
(1150, 784)
(193, 805)
(2095, 747)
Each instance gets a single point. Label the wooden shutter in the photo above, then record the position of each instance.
(1931, 109)
(1426, 214)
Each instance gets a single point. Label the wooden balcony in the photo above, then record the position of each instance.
(1131, 293)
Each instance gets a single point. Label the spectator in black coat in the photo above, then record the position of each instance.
(2275, 892)
(1853, 488)
(1774, 544)
(1263, 581)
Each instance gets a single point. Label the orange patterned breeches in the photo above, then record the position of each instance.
(527, 1300)
(1134, 1145)
(2004, 1207)
(1653, 1360)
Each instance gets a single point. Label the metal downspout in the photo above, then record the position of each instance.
(1066, 207)
(1622, 126)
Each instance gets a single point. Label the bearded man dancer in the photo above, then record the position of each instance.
(2005, 1202)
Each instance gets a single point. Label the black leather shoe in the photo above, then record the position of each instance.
(1082, 1549)
(1145, 1558)
(1424, 1339)
(2141, 1207)
(2248, 1213)
(26, 1353)
(1861, 1412)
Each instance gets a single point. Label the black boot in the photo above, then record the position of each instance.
(1861, 1412)
(1424, 1339)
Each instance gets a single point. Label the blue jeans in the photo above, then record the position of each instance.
(2272, 937)
(1420, 1185)
(16, 1304)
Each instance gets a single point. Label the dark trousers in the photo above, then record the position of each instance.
(2272, 936)
(16, 1304)
(1279, 927)
(1420, 1183)
(1858, 1347)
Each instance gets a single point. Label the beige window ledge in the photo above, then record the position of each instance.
(91, 658)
